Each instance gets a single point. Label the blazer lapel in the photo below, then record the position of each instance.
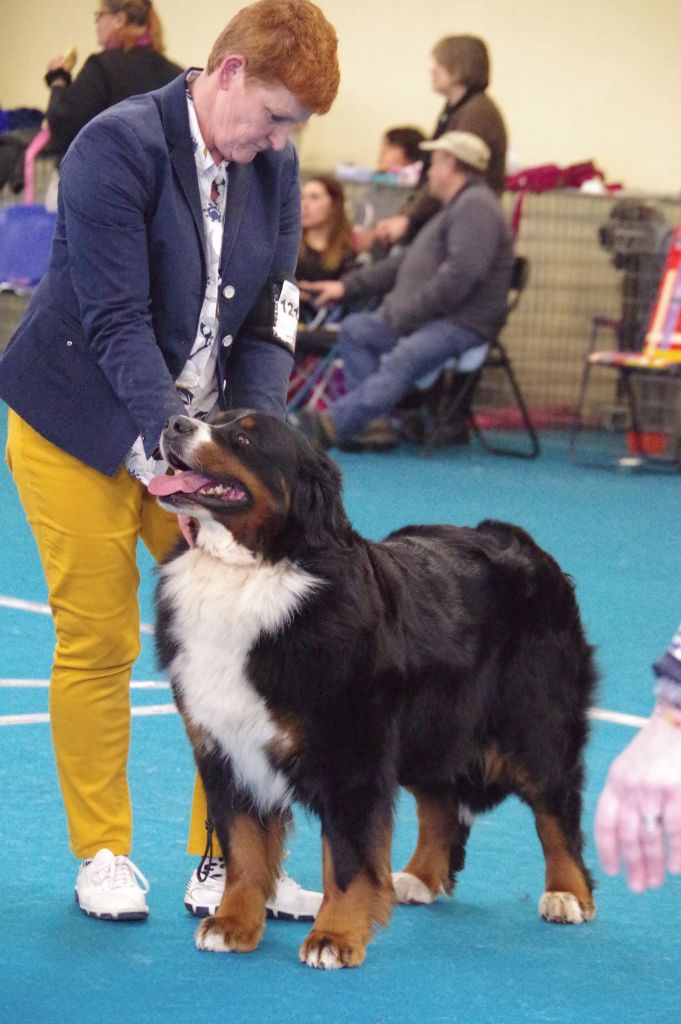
(239, 177)
(182, 159)
(173, 105)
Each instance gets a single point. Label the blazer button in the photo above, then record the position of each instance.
(227, 340)
(69, 343)
(229, 292)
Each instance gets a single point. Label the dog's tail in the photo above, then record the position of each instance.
(543, 602)
(525, 565)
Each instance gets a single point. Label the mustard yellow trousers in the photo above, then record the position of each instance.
(86, 526)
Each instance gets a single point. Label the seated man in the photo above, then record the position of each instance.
(443, 294)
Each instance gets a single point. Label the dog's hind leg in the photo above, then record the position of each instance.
(568, 897)
(444, 825)
(350, 908)
(557, 809)
(253, 850)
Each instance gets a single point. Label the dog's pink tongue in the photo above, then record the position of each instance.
(186, 482)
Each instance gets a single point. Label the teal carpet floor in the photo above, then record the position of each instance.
(482, 957)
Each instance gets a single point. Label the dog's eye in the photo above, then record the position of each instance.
(242, 439)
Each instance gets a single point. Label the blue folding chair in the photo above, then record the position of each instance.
(26, 233)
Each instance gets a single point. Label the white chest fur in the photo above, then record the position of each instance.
(221, 605)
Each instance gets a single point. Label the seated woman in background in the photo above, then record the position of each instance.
(131, 62)
(326, 250)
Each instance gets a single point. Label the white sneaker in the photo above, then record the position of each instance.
(202, 898)
(290, 901)
(106, 887)
(293, 903)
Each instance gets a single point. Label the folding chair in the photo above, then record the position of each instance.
(451, 389)
(653, 437)
(317, 375)
(25, 240)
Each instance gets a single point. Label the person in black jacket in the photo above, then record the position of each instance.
(131, 62)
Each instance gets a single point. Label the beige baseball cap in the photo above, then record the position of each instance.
(465, 146)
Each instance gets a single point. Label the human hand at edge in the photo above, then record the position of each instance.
(640, 805)
(61, 63)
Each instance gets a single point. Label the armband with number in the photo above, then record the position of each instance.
(274, 316)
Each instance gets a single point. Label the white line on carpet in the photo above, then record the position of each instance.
(18, 604)
(615, 717)
(42, 717)
(28, 684)
(618, 717)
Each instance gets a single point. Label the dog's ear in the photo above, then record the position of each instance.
(316, 502)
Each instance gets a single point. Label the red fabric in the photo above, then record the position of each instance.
(576, 174)
(546, 177)
(535, 179)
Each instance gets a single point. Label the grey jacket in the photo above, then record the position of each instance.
(458, 266)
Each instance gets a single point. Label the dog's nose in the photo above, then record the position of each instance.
(179, 425)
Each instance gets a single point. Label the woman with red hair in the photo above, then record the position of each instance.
(178, 223)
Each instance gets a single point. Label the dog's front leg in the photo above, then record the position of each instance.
(351, 906)
(253, 849)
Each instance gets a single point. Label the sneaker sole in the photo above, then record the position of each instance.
(281, 915)
(125, 915)
(278, 915)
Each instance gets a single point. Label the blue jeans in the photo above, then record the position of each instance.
(381, 366)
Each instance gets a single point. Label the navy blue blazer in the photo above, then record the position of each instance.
(92, 365)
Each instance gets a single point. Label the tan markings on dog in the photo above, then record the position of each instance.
(197, 736)
(501, 768)
(564, 877)
(347, 918)
(253, 525)
(567, 898)
(439, 830)
(287, 744)
(255, 852)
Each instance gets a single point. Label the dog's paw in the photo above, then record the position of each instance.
(329, 952)
(221, 935)
(565, 908)
(410, 889)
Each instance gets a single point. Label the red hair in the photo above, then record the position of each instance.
(284, 41)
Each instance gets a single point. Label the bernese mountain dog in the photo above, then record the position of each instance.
(311, 665)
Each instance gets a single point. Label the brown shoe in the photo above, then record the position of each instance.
(379, 435)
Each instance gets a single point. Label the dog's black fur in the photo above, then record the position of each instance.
(446, 659)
